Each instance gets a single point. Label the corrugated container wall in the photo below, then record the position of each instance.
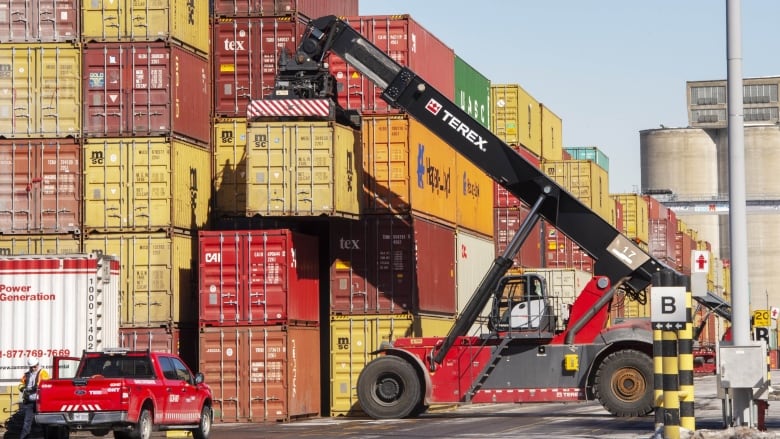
(303, 169)
(474, 256)
(157, 283)
(352, 341)
(472, 92)
(473, 197)
(552, 134)
(49, 244)
(617, 216)
(592, 153)
(262, 373)
(564, 285)
(73, 301)
(435, 267)
(585, 180)
(40, 186)
(507, 223)
(45, 21)
(146, 89)
(145, 184)
(230, 179)
(372, 265)
(246, 55)
(516, 117)
(409, 44)
(309, 8)
(185, 22)
(635, 216)
(182, 341)
(46, 85)
(257, 277)
(407, 168)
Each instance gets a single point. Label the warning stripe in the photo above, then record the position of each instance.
(80, 408)
(289, 107)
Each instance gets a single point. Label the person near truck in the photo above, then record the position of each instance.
(29, 388)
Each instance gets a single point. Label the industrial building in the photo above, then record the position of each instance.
(687, 170)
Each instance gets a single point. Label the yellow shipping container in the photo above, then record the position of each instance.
(229, 152)
(635, 216)
(433, 326)
(59, 244)
(42, 84)
(157, 280)
(9, 401)
(552, 134)
(302, 168)
(352, 339)
(585, 180)
(184, 21)
(515, 116)
(145, 184)
(408, 168)
(473, 197)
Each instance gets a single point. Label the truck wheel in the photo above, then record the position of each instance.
(388, 388)
(623, 383)
(204, 426)
(143, 429)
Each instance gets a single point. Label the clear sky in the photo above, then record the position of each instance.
(608, 68)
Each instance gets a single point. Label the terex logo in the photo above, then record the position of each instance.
(212, 258)
(234, 45)
(435, 108)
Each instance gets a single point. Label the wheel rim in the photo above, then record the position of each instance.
(146, 427)
(628, 384)
(206, 422)
(388, 389)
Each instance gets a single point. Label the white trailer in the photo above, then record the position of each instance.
(55, 305)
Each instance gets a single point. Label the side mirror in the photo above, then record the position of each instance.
(199, 378)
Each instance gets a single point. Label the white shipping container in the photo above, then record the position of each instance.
(475, 256)
(563, 287)
(55, 305)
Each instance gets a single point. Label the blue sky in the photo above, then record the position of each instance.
(608, 68)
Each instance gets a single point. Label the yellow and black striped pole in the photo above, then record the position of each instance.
(685, 346)
(658, 377)
(671, 385)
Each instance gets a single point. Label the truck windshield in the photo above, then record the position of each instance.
(117, 367)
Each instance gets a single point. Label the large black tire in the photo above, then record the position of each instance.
(624, 383)
(144, 427)
(204, 426)
(389, 388)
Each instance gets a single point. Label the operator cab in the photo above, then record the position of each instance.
(520, 303)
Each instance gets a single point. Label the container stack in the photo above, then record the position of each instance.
(259, 324)
(278, 184)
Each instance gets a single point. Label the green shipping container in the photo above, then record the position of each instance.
(591, 153)
(472, 91)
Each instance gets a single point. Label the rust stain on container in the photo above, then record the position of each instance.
(46, 84)
(262, 373)
(40, 186)
(246, 53)
(303, 169)
(146, 89)
(145, 184)
(270, 8)
(252, 277)
(229, 150)
(45, 21)
(410, 45)
(157, 282)
(184, 22)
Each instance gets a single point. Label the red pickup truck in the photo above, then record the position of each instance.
(131, 393)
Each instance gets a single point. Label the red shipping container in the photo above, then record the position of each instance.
(45, 21)
(655, 210)
(258, 277)
(372, 265)
(271, 8)
(435, 247)
(661, 235)
(684, 244)
(246, 54)
(507, 222)
(146, 89)
(262, 373)
(619, 215)
(40, 186)
(406, 42)
(180, 341)
(501, 196)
